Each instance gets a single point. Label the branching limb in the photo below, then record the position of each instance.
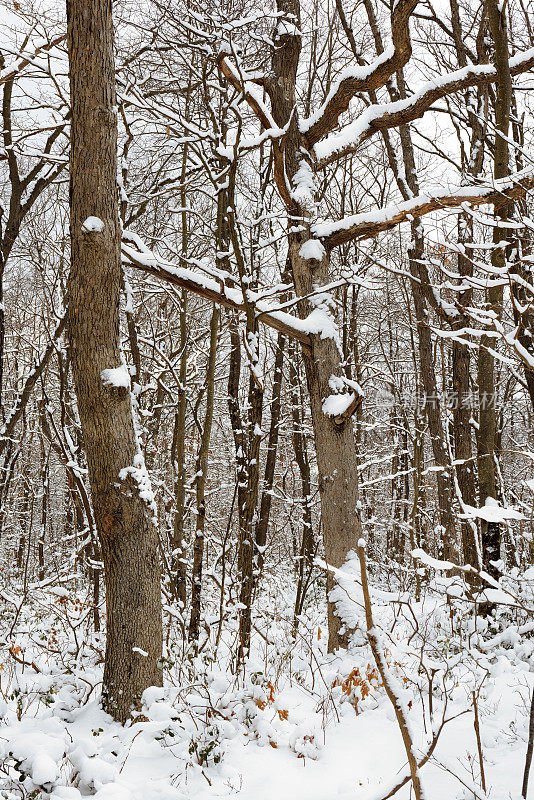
(11, 72)
(385, 116)
(7, 431)
(365, 79)
(210, 289)
(371, 223)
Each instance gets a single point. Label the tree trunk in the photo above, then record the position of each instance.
(119, 483)
(44, 511)
(335, 447)
(201, 472)
(179, 567)
(272, 445)
(410, 184)
(432, 404)
(337, 459)
(307, 545)
(487, 478)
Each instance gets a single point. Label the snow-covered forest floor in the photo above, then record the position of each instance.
(296, 723)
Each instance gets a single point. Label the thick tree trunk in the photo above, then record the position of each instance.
(337, 458)
(119, 483)
(487, 478)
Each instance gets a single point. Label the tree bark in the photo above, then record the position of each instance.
(334, 443)
(272, 445)
(201, 473)
(307, 545)
(117, 475)
(487, 478)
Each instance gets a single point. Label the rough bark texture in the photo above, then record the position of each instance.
(487, 478)
(337, 459)
(124, 521)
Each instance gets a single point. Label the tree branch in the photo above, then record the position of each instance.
(20, 404)
(364, 79)
(384, 116)
(371, 223)
(211, 289)
(11, 72)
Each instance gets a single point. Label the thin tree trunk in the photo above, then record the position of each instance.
(200, 480)
(389, 683)
(24, 519)
(307, 546)
(178, 565)
(45, 499)
(409, 186)
(530, 748)
(433, 406)
(428, 376)
(272, 445)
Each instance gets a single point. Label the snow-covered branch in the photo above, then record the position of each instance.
(10, 72)
(216, 291)
(364, 79)
(384, 116)
(370, 223)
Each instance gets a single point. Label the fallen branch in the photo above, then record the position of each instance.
(14, 655)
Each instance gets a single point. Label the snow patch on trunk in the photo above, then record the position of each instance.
(92, 225)
(117, 377)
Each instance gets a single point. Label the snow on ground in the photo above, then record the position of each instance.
(299, 723)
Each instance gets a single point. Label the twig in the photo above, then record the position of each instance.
(530, 747)
(479, 744)
(383, 669)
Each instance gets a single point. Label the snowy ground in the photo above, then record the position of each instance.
(298, 724)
